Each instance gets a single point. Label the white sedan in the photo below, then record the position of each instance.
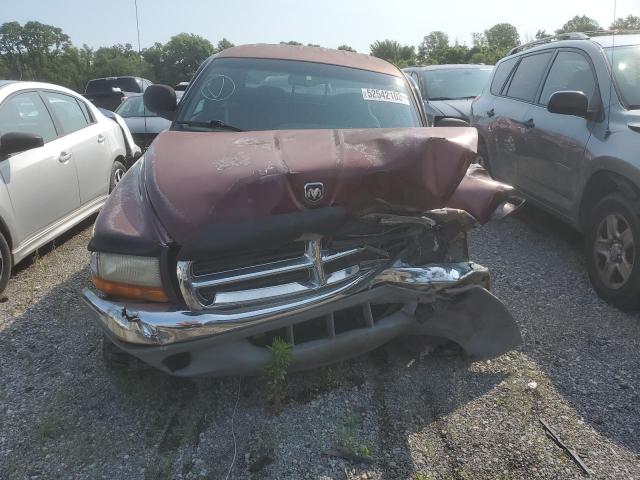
(60, 157)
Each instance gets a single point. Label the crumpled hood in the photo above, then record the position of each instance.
(450, 108)
(195, 179)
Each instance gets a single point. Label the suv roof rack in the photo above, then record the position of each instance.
(596, 33)
(570, 36)
(553, 38)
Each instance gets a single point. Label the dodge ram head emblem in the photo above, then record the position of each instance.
(313, 192)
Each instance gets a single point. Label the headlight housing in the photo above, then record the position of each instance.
(128, 276)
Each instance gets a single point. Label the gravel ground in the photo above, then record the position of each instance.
(417, 413)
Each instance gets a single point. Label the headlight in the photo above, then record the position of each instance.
(128, 276)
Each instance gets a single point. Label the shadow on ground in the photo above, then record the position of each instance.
(588, 349)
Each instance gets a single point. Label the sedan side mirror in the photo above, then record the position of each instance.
(14, 142)
(161, 99)
(569, 103)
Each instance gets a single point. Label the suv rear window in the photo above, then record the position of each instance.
(526, 80)
(502, 73)
(105, 85)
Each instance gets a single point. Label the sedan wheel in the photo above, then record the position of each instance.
(5, 263)
(117, 172)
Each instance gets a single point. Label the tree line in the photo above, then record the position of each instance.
(36, 51)
(487, 47)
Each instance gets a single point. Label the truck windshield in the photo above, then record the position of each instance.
(455, 83)
(626, 70)
(263, 94)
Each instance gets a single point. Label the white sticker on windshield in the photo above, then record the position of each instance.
(385, 96)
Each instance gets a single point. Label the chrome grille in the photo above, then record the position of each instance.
(280, 278)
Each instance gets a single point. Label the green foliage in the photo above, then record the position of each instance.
(277, 370)
(224, 44)
(580, 23)
(291, 42)
(349, 436)
(630, 22)
(178, 59)
(346, 48)
(434, 49)
(502, 36)
(540, 34)
(391, 51)
(112, 61)
(41, 52)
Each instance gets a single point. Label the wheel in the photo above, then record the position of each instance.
(613, 262)
(5, 263)
(117, 359)
(117, 172)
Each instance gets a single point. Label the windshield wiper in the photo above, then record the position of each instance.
(209, 124)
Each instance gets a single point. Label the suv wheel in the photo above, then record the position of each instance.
(613, 260)
(117, 172)
(5, 263)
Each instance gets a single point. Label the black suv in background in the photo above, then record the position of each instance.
(560, 120)
(447, 90)
(110, 92)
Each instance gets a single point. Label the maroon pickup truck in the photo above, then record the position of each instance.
(297, 195)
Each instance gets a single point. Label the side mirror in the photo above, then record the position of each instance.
(451, 122)
(569, 103)
(161, 99)
(14, 142)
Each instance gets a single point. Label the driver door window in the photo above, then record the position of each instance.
(25, 113)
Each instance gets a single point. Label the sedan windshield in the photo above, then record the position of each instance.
(134, 107)
(626, 70)
(263, 94)
(455, 83)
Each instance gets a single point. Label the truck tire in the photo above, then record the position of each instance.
(5, 263)
(117, 172)
(117, 359)
(613, 259)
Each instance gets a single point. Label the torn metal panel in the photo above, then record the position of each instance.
(195, 179)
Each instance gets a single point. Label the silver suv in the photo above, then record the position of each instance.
(59, 159)
(560, 121)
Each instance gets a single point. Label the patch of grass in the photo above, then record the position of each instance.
(422, 476)
(49, 428)
(277, 370)
(349, 438)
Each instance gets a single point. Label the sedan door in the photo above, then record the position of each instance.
(553, 150)
(42, 182)
(89, 144)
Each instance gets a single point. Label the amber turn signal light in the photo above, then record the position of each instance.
(137, 292)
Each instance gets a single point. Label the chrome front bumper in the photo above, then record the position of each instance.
(159, 324)
(463, 311)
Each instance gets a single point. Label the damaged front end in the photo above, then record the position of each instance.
(334, 282)
(332, 297)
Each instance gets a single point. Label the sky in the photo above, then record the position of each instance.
(330, 23)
